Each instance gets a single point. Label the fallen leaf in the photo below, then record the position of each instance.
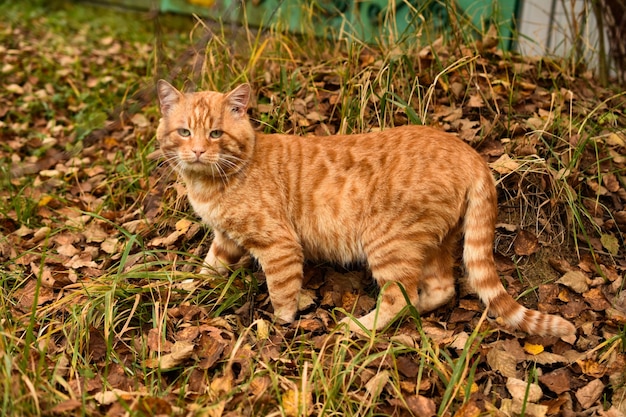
(181, 351)
(183, 225)
(511, 407)
(503, 362)
(576, 280)
(376, 384)
(590, 393)
(504, 165)
(110, 245)
(66, 406)
(610, 243)
(297, 403)
(475, 101)
(524, 391)
(407, 366)
(526, 243)
(533, 349)
(557, 381)
(469, 409)
(110, 396)
(418, 405)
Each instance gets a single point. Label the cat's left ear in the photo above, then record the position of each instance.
(168, 96)
(239, 99)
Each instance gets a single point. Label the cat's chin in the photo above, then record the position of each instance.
(201, 169)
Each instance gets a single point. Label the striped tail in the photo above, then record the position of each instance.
(479, 229)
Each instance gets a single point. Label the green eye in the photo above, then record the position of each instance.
(216, 134)
(184, 132)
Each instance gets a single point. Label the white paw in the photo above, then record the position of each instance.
(355, 325)
(285, 315)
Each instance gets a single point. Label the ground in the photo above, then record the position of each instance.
(98, 244)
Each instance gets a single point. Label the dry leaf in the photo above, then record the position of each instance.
(375, 385)
(503, 362)
(610, 243)
(533, 349)
(575, 280)
(557, 381)
(504, 165)
(510, 407)
(418, 405)
(590, 393)
(111, 396)
(526, 243)
(297, 403)
(181, 351)
(524, 391)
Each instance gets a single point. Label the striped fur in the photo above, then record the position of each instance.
(397, 200)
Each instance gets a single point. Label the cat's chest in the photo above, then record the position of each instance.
(204, 203)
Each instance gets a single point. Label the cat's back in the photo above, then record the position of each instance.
(413, 147)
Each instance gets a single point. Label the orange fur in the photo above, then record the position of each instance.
(396, 200)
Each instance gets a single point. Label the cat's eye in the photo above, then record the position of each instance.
(184, 132)
(216, 133)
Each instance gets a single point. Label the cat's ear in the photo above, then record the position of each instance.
(168, 96)
(239, 99)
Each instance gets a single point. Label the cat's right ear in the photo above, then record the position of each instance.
(168, 96)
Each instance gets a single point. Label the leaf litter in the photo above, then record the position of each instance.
(89, 228)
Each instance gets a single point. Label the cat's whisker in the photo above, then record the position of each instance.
(222, 173)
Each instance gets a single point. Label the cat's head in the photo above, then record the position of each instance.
(205, 133)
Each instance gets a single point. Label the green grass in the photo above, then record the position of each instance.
(94, 298)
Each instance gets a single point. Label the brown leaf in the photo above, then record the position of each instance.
(523, 390)
(526, 243)
(418, 405)
(95, 233)
(181, 351)
(555, 405)
(311, 325)
(596, 300)
(592, 367)
(26, 295)
(475, 101)
(469, 409)
(209, 350)
(153, 406)
(156, 342)
(66, 406)
(590, 393)
(97, 347)
(611, 182)
(407, 367)
(557, 381)
(575, 280)
(504, 359)
(504, 165)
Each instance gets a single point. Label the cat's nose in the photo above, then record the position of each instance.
(198, 152)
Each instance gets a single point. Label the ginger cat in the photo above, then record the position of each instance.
(396, 200)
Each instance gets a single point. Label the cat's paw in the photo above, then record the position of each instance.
(354, 325)
(285, 315)
(214, 270)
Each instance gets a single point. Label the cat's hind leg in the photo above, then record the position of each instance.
(223, 254)
(396, 266)
(436, 286)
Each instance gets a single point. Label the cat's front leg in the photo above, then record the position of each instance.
(222, 255)
(282, 264)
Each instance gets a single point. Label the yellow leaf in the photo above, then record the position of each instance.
(297, 403)
(183, 225)
(44, 200)
(533, 349)
(202, 3)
